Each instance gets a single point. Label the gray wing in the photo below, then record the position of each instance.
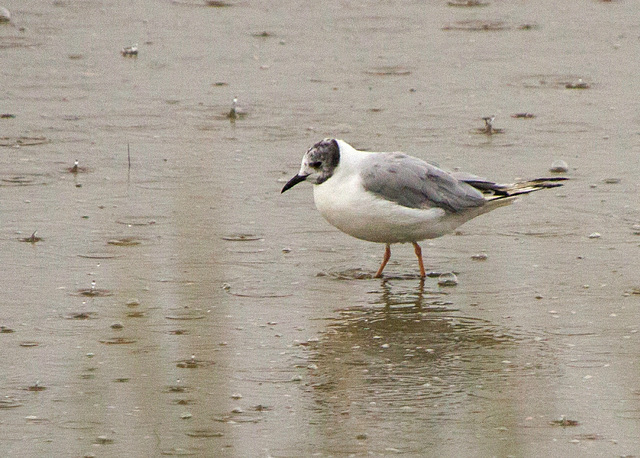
(414, 183)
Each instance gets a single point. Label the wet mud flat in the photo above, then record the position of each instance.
(161, 298)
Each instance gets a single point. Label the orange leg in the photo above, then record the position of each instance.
(418, 251)
(385, 260)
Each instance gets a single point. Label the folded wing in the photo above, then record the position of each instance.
(413, 183)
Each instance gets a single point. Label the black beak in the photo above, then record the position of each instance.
(294, 181)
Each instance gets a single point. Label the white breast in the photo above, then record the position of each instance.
(344, 203)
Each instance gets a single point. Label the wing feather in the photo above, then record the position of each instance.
(413, 183)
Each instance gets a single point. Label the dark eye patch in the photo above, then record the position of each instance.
(315, 164)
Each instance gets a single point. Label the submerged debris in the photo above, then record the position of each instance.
(36, 387)
(488, 128)
(241, 238)
(177, 388)
(204, 433)
(32, 238)
(477, 25)
(77, 168)
(217, 4)
(193, 363)
(467, 3)
(579, 84)
(479, 257)
(261, 408)
(93, 291)
(527, 26)
(81, 316)
(236, 112)
(130, 51)
(348, 274)
(564, 421)
(103, 440)
(117, 341)
(124, 241)
(233, 113)
(17, 142)
(634, 290)
(185, 314)
(9, 403)
(523, 115)
(389, 70)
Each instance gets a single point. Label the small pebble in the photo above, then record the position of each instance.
(236, 396)
(579, 84)
(559, 166)
(612, 180)
(117, 326)
(237, 410)
(479, 257)
(594, 235)
(448, 279)
(103, 440)
(5, 15)
(186, 416)
(130, 51)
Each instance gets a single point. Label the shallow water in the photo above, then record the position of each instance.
(229, 320)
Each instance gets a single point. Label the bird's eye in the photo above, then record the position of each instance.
(315, 164)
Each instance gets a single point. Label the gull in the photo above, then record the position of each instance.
(395, 198)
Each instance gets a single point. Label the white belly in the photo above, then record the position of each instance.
(361, 214)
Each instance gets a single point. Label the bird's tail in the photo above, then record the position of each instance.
(495, 191)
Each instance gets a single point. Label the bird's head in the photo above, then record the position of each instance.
(318, 163)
